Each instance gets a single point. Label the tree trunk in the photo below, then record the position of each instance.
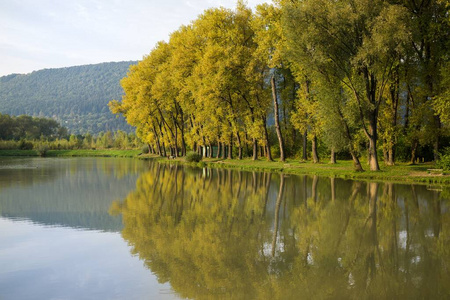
(333, 156)
(204, 152)
(239, 146)
(277, 118)
(183, 142)
(230, 148)
(414, 146)
(314, 150)
(385, 153)
(372, 116)
(356, 162)
(175, 150)
(223, 150)
(305, 145)
(175, 138)
(266, 135)
(158, 145)
(395, 96)
(151, 149)
(255, 149)
(164, 149)
(247, 149)
(373, 159)
(391, 156)
(195, 147)
(219, 150)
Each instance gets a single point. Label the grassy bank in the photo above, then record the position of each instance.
(401, 172)
(73, 153)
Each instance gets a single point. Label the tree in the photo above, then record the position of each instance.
(270, 54)
(354, 42)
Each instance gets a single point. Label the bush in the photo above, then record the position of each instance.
(145, 149)
(193, 157)
(9, 145)
(444, 161)
(42, 150)
(25, 145)
(275, 151)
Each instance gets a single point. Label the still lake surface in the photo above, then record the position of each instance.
(106, 228)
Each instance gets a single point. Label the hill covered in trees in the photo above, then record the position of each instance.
(76, 97)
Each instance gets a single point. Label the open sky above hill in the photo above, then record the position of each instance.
(51, 34)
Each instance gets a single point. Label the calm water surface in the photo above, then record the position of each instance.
(102, 228)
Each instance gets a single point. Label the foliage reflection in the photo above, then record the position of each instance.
(222, 233)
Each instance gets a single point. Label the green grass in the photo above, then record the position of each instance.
(18, 153)
(401, 172)
(93, 153)
(74, 153)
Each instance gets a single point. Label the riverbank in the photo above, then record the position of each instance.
(401, 172)
(73, 153)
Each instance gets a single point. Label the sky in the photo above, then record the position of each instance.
(46, 34)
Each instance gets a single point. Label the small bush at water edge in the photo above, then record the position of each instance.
(42, 150)
(193, 157)
(444, 160)
(145, 149)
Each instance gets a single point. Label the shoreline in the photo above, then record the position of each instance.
(399, 173)
(72, 153)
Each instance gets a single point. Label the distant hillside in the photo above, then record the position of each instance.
(77, 97)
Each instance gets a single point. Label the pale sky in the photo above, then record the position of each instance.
(39, 34)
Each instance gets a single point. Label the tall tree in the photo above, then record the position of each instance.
(354, 41)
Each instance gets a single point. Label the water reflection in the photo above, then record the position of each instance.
(222, 233)
(75, 192)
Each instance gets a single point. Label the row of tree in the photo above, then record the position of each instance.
(104, 140)
(350, 74)
(26, 132)
(27, 127)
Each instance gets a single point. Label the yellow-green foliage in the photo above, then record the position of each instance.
(342, 69)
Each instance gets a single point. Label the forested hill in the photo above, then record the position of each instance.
(77, 97)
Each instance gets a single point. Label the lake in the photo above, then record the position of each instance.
(108, 228)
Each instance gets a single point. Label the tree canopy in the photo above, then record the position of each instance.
(348, 76)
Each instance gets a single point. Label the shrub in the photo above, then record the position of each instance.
(275, 151)
(25, 145)
(9, 145)
(145, 149)
(42, 150)
(444, 160)
(193, 157)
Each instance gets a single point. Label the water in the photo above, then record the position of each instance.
(120, 228)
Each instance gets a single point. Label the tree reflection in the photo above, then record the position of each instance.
(222, 233)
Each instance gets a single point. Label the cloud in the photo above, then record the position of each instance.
(64, 33)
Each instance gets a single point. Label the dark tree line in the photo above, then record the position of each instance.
(31, 128)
